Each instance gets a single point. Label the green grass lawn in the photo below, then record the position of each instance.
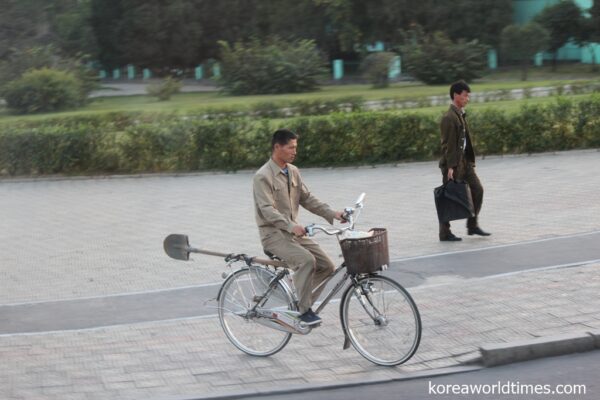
(187, 103)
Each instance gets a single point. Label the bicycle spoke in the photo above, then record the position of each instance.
(381, 320)
(239, 291)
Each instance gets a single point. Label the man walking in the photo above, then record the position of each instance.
(458, 157)
(278, 193)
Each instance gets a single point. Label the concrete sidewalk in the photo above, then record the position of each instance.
(74, 238)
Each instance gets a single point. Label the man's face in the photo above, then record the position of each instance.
(461, 99)
(287, 152)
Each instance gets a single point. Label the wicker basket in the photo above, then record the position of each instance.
(366, 255)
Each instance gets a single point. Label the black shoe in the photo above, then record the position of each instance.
(450, 237)
(477, 231)
(310, 318)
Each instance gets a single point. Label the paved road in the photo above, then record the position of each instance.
(139, 88)
(516, 381)
(190, 302)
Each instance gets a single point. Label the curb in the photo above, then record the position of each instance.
(307, 388)
(550, 346)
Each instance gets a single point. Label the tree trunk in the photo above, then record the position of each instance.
(524, 68)
(554, 59)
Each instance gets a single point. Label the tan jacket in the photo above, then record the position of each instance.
(275, 207)
(456, 139)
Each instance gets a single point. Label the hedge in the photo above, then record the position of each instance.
(134, 143)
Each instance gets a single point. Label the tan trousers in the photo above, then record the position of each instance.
(309, 262)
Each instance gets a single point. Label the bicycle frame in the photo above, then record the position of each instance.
(281, 322)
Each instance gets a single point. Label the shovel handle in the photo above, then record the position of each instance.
(257, 260)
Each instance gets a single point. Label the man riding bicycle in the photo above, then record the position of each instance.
(278, 193)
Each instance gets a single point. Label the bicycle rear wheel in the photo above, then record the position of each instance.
(237, 298)
(381, 320)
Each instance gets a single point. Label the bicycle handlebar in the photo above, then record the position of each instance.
(312, 229)
(350, 216)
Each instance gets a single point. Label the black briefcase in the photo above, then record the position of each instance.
(453, 201)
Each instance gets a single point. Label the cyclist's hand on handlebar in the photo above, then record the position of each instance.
(341, 216)
(298, 230)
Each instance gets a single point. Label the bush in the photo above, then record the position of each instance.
(44, 90)
(376, 68)
(131, 143)
(165, 89)
(272, 67)
(435, 59)
(23, 60)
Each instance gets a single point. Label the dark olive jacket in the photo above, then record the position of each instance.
(455, 134)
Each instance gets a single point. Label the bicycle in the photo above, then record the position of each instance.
(257, 304)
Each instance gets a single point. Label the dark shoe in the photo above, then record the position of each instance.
(310, 318)
(477, 231)
(450, 237)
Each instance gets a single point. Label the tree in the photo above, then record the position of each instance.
(105, 19)
(435, 59)
(522, 43)
(563, 22)
(592, 28)
(21, 26)
(481, 20)
(585, 38)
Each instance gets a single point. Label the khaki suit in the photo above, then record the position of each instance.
(458, 153)
(277, 198)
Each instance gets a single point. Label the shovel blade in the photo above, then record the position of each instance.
(177, 246)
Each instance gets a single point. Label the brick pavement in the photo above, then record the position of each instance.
(65, 239)
(193, 358)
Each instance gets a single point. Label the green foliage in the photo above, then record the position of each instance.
(72, 32)
(164, 90)
(435, 59)
(132, 143)
(21, 60)
(376, 67)
(563, 21)
(271, 67)
(43, 90)
(481, 20)
(19, 25)
(35, 58)
(521, 43)
(595, 21)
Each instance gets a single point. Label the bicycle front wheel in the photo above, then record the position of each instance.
(237, 298)
(381, 320)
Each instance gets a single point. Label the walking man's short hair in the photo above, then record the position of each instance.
(458, 87)
(282, 137)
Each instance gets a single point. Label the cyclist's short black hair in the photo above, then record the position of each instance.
(282, 137)
(458, 87)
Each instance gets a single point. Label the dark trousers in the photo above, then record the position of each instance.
(465, 172)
